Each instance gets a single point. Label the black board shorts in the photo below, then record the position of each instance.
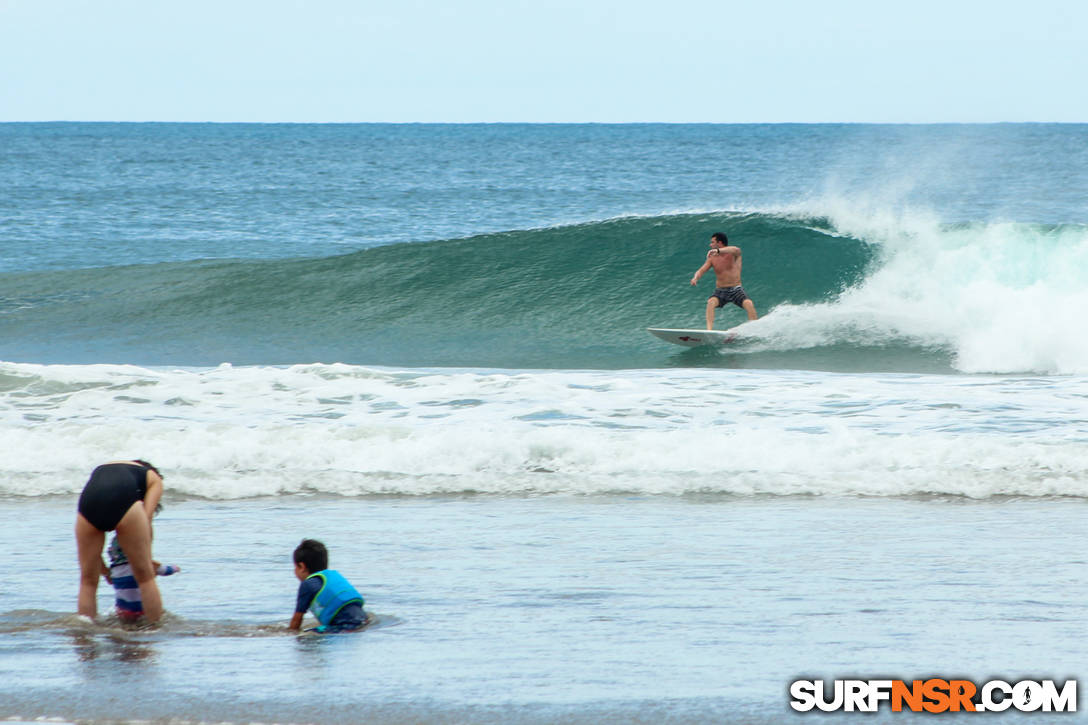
(734, 295)
(110, 492)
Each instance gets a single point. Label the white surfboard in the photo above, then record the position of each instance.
(695, 338)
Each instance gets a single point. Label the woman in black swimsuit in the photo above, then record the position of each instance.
(122, 496)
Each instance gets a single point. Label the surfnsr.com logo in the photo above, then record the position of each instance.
(933, 695)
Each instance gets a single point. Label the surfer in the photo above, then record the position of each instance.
(119, 496)
(726, 262)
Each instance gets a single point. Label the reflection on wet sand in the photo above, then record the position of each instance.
(110, 646)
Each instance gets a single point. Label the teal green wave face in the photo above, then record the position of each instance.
(574, 296)
(908, 298)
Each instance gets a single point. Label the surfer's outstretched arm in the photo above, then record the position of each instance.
(701, 272)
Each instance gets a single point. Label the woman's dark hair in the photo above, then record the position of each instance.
(145, 464)
(313, 554)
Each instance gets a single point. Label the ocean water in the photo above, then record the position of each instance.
(426, 346)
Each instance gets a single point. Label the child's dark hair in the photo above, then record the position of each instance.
(313, 554)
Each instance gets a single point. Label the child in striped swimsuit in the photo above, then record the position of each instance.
(127, 591)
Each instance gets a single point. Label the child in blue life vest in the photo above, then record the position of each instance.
(335, 603)
(127, 600)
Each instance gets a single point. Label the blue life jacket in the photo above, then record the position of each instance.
(335, 594)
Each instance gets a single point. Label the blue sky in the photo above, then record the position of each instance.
(562, 61)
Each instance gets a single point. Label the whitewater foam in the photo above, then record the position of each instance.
(1002, 297)
(236, 432)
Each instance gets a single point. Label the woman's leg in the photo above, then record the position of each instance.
(134, 536)
(89, 543)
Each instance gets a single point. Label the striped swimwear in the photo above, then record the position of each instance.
(126, 591)
(727, 295)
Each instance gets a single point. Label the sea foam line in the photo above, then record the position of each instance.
(240, 432)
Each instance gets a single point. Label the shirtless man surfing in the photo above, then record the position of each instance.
(726, 263)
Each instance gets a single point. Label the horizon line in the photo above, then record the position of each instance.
(555, 123)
